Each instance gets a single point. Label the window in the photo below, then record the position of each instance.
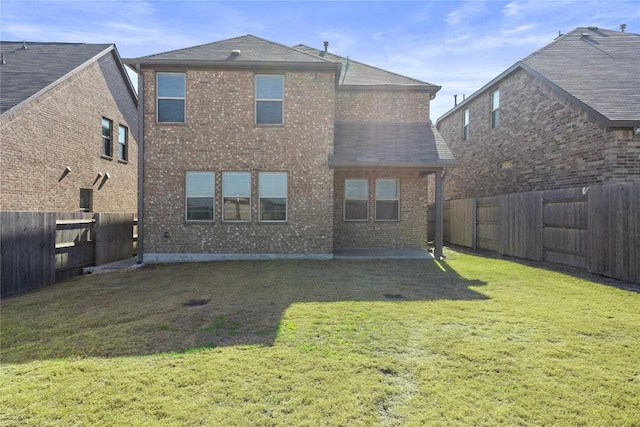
(236, 196)
(272, 189)
(495, 109)
(465, 125)
(86, 199)
(123, 137)
(171, 97)
(200, 196)
(356, 199)
(387, 200)
(269, 100)
(107, 129)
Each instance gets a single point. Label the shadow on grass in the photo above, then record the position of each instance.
(181, 307)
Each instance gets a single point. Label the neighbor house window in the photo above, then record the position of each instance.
(272, 189)
(86, 199)
(356, 199)
(107, 131)
(495, 109)
(269, 100)
(236, 196)
(387, 200)
(200, 195)
(465, 124)
(171, 97)
(123, 136)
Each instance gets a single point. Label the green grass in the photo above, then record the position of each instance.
(480, 341)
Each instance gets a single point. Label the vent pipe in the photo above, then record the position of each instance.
(326, 46)
(24, 45)
(623, 27)
(455, 100)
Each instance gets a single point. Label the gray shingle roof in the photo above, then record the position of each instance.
(27, 71)
(252, 49)
(389, 144)
(355, 73)
(596, 69)
(601, 68)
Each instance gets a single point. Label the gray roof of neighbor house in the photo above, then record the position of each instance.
(29, 68)
(597, 69)
(356, 74)
(243, 51)
(383, 144)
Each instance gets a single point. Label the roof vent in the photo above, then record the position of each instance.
(235, 52)
(326, 46)
(24, 45)
(623, 27)
(3, 61)
(593, 28)
(585, 34)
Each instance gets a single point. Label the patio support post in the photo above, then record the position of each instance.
(439, 215)
(140, 247)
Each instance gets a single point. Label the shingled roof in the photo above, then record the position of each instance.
(381, 144)
(596, 69)
(356, 73)
(247, 50)
(28, 67)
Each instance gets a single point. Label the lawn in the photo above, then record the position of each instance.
(469, 341)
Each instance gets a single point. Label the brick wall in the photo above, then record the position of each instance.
(220, 136)
(382, 106)
(63, 128)
(546, 142)
(409, 232)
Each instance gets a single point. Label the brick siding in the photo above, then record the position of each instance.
(549, 142)
(409, 232)
(63, 128)
(220, 136)
(382, 106)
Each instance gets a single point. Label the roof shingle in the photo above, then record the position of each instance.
(27, 71)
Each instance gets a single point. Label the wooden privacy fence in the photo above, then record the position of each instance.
(40, 248)
(596, 228)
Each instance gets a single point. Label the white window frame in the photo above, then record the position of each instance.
(123, 143)
(465, 124)
(257, 100)
(379, 199)
(182, 98)
(225, 196)
(199, 195)
(272, 196)
(366, 199)
(105, 138)
(495, 109)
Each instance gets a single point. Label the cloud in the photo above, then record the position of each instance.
(467, 12)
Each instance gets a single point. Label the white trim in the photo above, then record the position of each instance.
(260, 197)
(255, 96)
(376, 199)
(186, 197)
(232, 196)
(183, 99)
(153, 258)
(344, 201)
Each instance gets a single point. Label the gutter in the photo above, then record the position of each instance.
(140, 255)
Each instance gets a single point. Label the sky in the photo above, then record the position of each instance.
(459, 45)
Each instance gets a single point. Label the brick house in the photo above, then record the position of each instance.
(565, 116)
(253, 149)
(68, 129)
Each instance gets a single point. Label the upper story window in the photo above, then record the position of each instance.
(200, 196)
(465, 124)
(356, 199)
(123, 139)
(107, 132)
(269, 100)
(387, 199)
(272, 189)
(236, 196)
(170, 91)
(495, 108)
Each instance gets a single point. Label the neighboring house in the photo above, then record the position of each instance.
(68, 129)
(252, 149)
(566, 116)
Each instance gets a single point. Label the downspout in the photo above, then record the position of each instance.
(140, 165)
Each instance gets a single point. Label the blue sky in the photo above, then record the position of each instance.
(460, 45)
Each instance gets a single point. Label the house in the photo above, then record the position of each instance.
(252, 149)
(565, 116)
(68, 129)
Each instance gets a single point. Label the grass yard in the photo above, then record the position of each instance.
(472, 341)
